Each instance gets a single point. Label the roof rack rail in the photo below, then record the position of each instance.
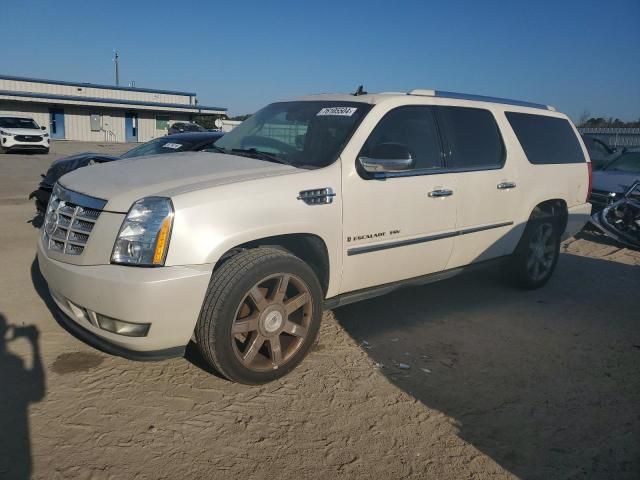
(479, 98)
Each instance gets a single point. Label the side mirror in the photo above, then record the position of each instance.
(387, 157)
(43, 128)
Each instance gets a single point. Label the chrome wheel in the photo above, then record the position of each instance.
(541, 252)
(271, 322)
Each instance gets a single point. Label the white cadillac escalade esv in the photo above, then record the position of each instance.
(308, 204)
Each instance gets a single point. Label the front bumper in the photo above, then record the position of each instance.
(167, 298)
(577, 217)
(11, 143)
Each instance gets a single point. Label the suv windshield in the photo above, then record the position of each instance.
(627, 162)
(158, 146)
(16, 122)
(307, 134)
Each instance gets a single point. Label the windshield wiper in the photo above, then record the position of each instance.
(253, 153)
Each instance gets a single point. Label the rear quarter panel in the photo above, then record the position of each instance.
(542, 182)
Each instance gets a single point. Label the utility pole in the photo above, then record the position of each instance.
(116, 61)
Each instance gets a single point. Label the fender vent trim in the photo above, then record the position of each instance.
(317, 196)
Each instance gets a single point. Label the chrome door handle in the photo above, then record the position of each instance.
(506, 185)
(440, 192)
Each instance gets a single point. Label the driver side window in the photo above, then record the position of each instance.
(413, 127)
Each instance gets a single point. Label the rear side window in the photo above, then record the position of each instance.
(472, 137)
(546, 139)
(414, 127)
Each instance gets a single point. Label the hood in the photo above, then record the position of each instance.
(123, 182)
(23, 131)
(82, 156)
(618, 182)
(67, 164)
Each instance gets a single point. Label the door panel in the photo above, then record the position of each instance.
(131, 127)
(487, 181)
(486, 214)
(56, 123)
(392, 228)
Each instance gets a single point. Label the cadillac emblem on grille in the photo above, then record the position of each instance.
(69, 220)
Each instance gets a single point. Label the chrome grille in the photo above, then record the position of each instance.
(69, 220)
(28, 138)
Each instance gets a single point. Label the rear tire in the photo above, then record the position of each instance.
(260, 316)
(536, 255)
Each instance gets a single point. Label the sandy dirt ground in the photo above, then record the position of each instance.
(467, 378)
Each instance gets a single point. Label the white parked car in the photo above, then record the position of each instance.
(308, 204)
(22, 133)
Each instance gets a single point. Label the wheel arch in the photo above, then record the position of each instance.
(309, 247)
(555, 207)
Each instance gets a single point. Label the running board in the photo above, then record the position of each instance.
(372, 292)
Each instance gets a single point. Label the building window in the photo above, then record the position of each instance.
(162, 122)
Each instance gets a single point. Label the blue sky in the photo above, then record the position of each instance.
(576, 55)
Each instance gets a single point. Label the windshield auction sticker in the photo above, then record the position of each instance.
(175, 146)
(339, 111)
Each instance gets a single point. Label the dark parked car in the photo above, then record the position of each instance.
(599, 152)
(183, 142)
(615, 178)
(621, 219)
(184, 127)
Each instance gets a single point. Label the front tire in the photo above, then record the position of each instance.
(260, 317)
(536, 256)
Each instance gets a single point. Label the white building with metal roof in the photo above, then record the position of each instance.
(99, 113)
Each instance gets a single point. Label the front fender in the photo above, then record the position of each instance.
(211, 222)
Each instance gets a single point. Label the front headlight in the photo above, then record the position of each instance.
(144, 235)
(45, 135)
(2, 132)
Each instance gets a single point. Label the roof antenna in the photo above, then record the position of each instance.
(359, 91)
